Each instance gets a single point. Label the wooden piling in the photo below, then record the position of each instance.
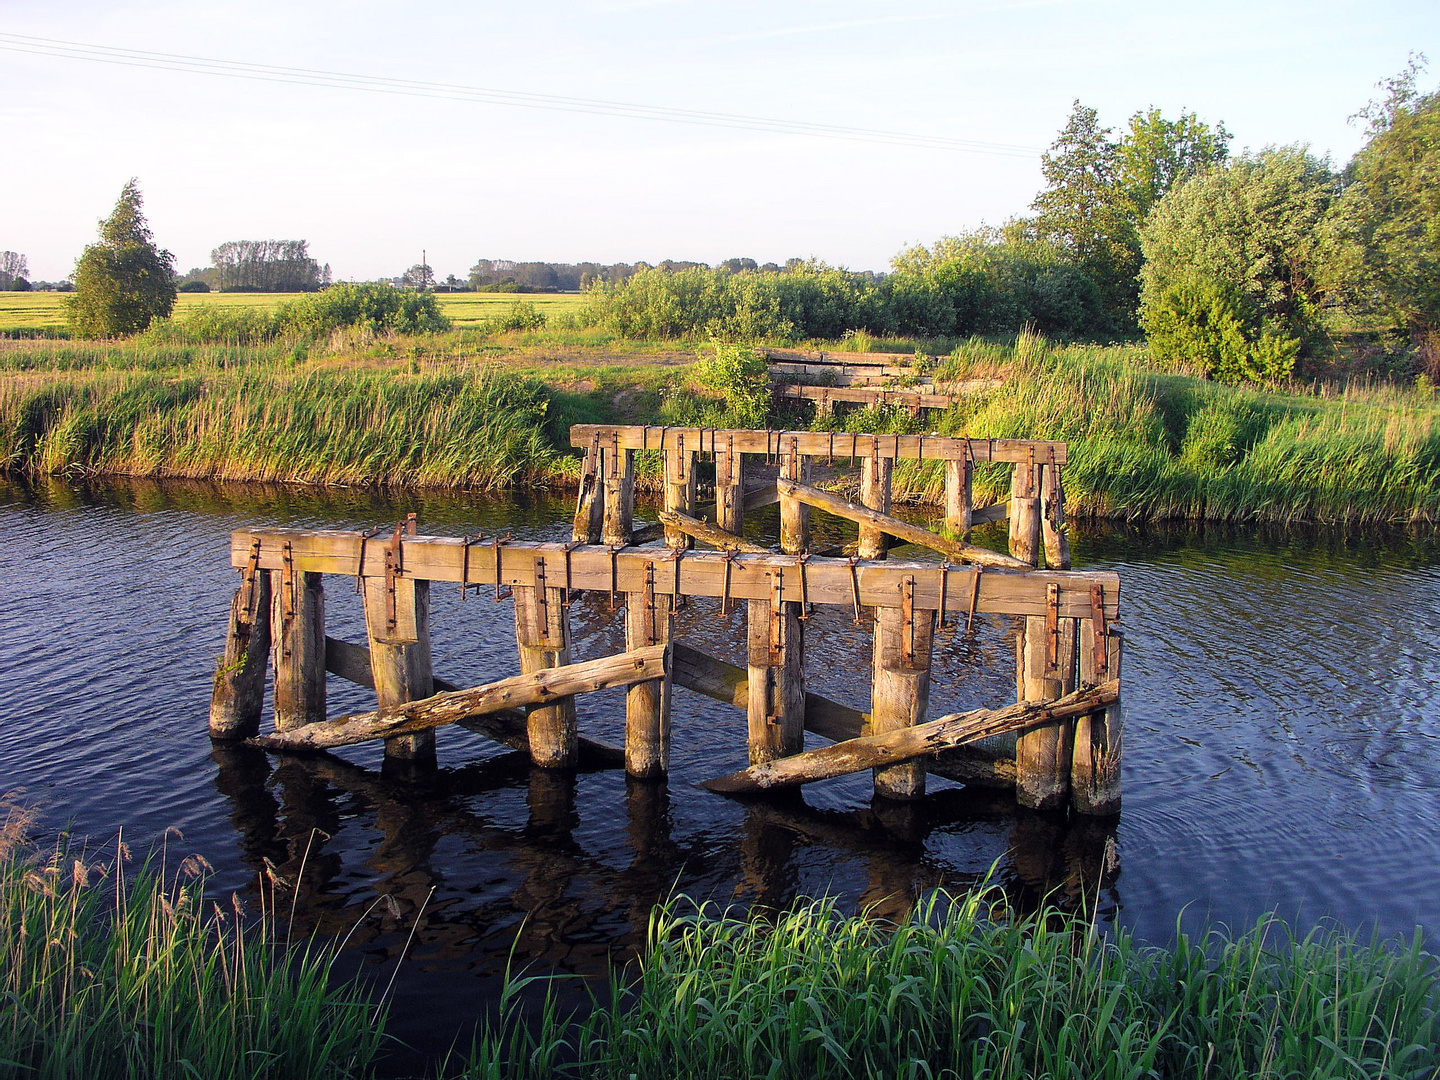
(590, 505)
(776, 680)
(730, 489)
(794, 515)
(1043, 754)
(959, 481)
(542, 636)
(901, 689)
(679, 492)
(239, 694)
(876, 473)
(1095, 771)
(397, 622)
(1025, 514)
(649, 620)
(619, 512)
(1052, 518)
(297, 626)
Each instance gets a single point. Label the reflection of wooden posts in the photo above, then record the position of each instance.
(1095, 772)
(590, 506)
(794, 515)
(679, 490)
(959, 482)
(619, 512)
(1045, 670)
(876, 474)
(1052, 518)
(730, 489)
(239, 694)
(901, 689)
(397, 622)
(776, 678)
(649, 620)
(542, 635)
(297, 625)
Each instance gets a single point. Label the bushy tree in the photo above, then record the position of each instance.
(124, 281)
(1235, 251)
(12, 267)
(1388, 220)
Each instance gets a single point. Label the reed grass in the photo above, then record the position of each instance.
(114, 972)
(961, 992)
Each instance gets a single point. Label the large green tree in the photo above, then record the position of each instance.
(1388, 220)
(1233, 265)
(124, 281)
(1099, 190)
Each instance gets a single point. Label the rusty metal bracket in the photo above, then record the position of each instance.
(805, 610)
(412, 524)
(567, 597)
(496, 544)
(1101, 627)
(542, 601)
(250, 589)
(777, 606)
(680, 477)
(729, 561)
(465, 584)
(360, 564)
(907, 620)
(614, 577)
(1052, 628)
(678, 598)
(287, 595)
(944, 588)
(974, 599)
(830, 457)
(652, 632)
(854, 562)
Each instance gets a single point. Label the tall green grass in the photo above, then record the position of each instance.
(956, 992)
(109, 972)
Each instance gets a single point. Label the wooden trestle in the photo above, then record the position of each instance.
(1067, 637)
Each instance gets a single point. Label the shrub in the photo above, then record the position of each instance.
(194, 287)
(742, 378)
(373, 306)
(518, 316)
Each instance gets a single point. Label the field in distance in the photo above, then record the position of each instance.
(43, 310)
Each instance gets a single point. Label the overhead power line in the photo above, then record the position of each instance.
(236, 69)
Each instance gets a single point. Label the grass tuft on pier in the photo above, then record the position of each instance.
(108, 971)
(956, 992)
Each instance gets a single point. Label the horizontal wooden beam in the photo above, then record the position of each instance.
(896, 747)
(710, 534)
(911, 534)
(449, 707)
(899, 361)
(697, 573)
(507, 727)
(816, 443)
(924, 397)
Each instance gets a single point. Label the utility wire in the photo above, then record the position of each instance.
(235, 69)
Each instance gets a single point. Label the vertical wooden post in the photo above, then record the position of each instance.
(959, 481)
(397, 622)
(297, 626)
(776, 706)
(1052, 518)
(619, 513)
(876, 473)
(901, 688)
(824, 405)
(730, 488)
(794, 515)
(590, 506)
(1025, 513)
(542, 636)
(1099, 737)
(648, 621)
(679, 491)
(1043, 754)
(239, 694)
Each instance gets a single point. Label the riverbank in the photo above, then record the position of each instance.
(477, 410)
(114, 972)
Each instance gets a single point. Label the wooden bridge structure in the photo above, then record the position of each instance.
(830, 378)
(1065, 721)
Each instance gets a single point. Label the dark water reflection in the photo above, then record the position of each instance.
(1281, 748)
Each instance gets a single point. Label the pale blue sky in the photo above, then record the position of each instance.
(371, 179)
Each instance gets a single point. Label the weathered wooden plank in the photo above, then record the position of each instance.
(913, 534)
(1052, 519)
(508, 727)
(1025, 514)
(397, 622)
(984, 516)
(297, 628)
(542, 639)
(818, 443)
(238, 697)
(590, 503)
(702, 573)
(1099, 736)
(710, 534)
(896, 747)
(618, 517)
(541, 687)
(859, 393)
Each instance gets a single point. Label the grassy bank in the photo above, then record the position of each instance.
(490, 409)
(114, 972)
(109, 971)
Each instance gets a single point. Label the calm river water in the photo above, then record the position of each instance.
(1282, 748)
